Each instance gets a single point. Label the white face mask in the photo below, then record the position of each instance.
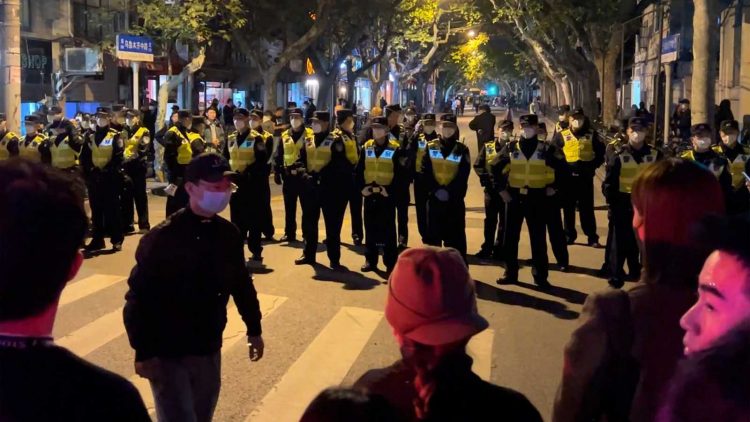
(214, 202)
(504, 136)
(296, 123)
(239, 124)
(317, 127)
(52, 117)
(429, 129)
(266, 119)
(636, 138)
(85, 124)
(102, 122)
(577, 123)
(562, 118)
(130, 122)
(348, 126)
(701, 144)
(31, 129)
(447, 132)
(378, 133)
(729, 140)
(529, 132)
(254, 124)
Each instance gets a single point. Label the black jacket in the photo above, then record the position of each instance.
(484, 125)
(186, 269)
(460, 184)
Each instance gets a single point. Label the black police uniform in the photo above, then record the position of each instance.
(355, 196)
(578, 186)
(137, 141)
(266, 213)
(738, 157)
(177, 155)
(555, 230)
(101, 162)
(402, 196)
(712, 160)
(8, 143)
(446, 221)
(28, 146)
(290, 171)
(418, 146)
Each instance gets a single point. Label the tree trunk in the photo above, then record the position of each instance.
(705, 37)
(606, 65)
(325, 85)
(567, 91)
(173, 82)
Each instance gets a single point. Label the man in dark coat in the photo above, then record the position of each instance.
(484, 125)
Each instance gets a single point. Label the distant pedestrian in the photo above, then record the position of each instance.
(484, 125)
(42, 209)
(175, 311)
(432, 309)
(227, 113)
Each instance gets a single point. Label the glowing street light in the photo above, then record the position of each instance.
(472, 33)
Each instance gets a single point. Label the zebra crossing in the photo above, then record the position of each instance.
(326, 360)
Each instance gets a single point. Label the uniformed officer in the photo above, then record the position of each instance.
(524, 172)
(289, 170)
(494, 207)
(620, 139)
(248, 156)
(738, 157)
(345, 129)
(554, 220)
(411, 118)
(137, 139)
(328, 178)
(177, 155)
(563, 119)
(446, 169)
(584, 153)
(701, 152)
(117, 118)
(28, 148)
(9, 141)
(402, 197)
(423, 135)
(55, 116)
(101, 161)
(625, 161)
(377, 171)
(62, 148)
(196, 134)
(266, 215)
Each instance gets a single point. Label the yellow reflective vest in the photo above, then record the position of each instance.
(715, 169)
(30, 150)
(243, 155)
(4, 152)
(184, 150)
(630, 169)
(379, 169)
(292, 148)
(444, 169)
(490, 152)
(350, 146)
(530, 173)
(737, 166)
(102, 154)
(132, 143)
(319, 156)
(421, 151)
(63, 156)
(576, 149)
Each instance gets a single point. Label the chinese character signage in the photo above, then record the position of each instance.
(136, 48)
(669, 48)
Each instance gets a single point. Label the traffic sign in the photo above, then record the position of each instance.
(669, 48)
(135, 48)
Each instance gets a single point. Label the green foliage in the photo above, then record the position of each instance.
(471, 59)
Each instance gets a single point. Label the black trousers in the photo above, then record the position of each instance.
(624, 247)
(246, 211)
(355, 210)
(494, 220)
(266, 212)
(402, 199)
(610, 239)
(104, 198)
(578, 191)
(331, 200)
(134, 190)
(291, 190)
(533, 209)
(446, 224)
(380, 227)
(555, 230)
(186, 388)
(420, 204)
(178, 201)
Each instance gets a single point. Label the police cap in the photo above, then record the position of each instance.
(209, 167)
(684, 101)
(240, 111)
(379, 121)
(343, 114)
(506, 125)
(700, 128)
(295, 110)
(730, 126)
(132, 113)
(410, 110)
(103, 111)
(31, 118)
(448, 118)
(256, 113)
(55, 110)
(323, 116)
(118, 108)
(184, 114)
(428, 117)
(636, 123)
(392, 108)
(578, 111)
(528, 120)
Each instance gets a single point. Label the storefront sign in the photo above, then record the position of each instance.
(36, 61)
(135, 48)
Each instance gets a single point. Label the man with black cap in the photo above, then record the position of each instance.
(266, 216)
(328, 178)
(101, 161)
(484, 125)
(682, 120)
(425, 133)
(402, 197)
(446, 168)
(248, 157)
(624, 163)
(563, 116)
(289, 170)
(9, 141)
(410, 122)
(494, 207)
(175, 310)
(137, 141)
(701, 152)
(62, 148)
(55, 116)
(584, 153)
(28, 148)
(738, 157)
(178, 152)
(524, 174)
(345, 130)
(377, 171)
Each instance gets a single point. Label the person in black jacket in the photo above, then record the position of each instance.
(484, 125)
(175, 311)
(178, 152)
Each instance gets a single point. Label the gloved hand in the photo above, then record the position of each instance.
(442, 195)
(277, 178)
(505, 195)
(367, 191)
(550, 191)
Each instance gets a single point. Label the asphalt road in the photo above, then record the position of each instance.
(324, 328)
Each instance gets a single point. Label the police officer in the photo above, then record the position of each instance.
(377, 171)
(620, 139)
(248, 156)
(738, 157)
(328, 178)
(554, 218)
(494, 207)
(196, 134)
(423, 135)
(393, 113)
(8, 140)
(625, 161)
(446, 169)
(345, 129)
(266, 215)
(62, 148)
(137, 140)
(701, 152)
(117, 118)
(584, 153)
(524, 172)
(563, 119)
(101, 161)
(55, 116)
(28, 148)
(177, 155)
(289, 170)
(411, 118)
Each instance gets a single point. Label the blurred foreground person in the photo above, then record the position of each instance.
(348, 404)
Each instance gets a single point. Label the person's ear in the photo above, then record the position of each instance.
(190, 188)
(75, 266)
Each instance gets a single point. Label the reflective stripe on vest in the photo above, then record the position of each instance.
(4, 151)
(63, 156)
(379, 169)
(715, 169)
(421, 151)
(101, 155)
(292, 147)
(241, 156)
(490, 152)
(30, 150)
(737, 166)
(444, 169)
(577, 149)
(318, 156)
(132, 143)
(630, 169)
(528, 173)
(184, 150)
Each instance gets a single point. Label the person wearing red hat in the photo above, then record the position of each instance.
(432, 309)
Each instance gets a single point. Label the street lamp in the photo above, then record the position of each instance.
(472, 33)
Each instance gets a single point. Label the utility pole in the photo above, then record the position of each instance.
(10, 59)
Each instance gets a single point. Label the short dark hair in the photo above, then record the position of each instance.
(348, 404)
(41, 211)
(727, 234)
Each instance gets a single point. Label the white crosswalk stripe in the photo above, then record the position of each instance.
(88, 286)
(480, 349)
(94, 335)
